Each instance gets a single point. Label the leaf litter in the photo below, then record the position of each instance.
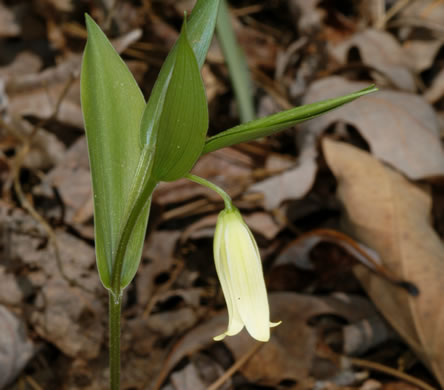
(285, 186)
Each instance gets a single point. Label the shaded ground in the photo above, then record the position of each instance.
(348, 209)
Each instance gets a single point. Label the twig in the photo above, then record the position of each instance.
(32, 382)
(237, 364)
(388, 370)
(395, 9)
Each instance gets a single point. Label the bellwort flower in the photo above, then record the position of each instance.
(239, 268)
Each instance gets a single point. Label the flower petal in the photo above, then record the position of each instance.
(247, 280)
(235, 323)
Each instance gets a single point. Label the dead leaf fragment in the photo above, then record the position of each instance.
(289, 185)
(8, 25)
(391, 215)
(292, 348)
(290, 352)
(16, 349)
(401, 128)
(420, 54)
(378, 49)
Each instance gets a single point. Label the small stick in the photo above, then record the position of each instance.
(388, 370)
(237, 364)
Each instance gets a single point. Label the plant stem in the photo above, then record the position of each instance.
(142, 201)
(214, 187)
(114, 341)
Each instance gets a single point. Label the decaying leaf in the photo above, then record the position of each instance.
(391, 215)
(16, 349)
(420, 55)
(8, 25)
(289, 185)
(401, 128)
(379, 50)
(292, 348)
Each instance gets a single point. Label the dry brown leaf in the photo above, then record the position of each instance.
(307, 13)
(420, 54)
(391, 215)
(424, 11)
(16, 348)
(289, 185)
(290, 352)
(401, 128)
(436, 90)
(378, 49)
(72, 179)
(8, 24)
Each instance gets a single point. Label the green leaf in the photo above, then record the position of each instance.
(237, 64)
(182, 125)
(200, 29)
(112, 105)
(277, 122)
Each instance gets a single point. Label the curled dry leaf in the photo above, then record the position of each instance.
(401, 128)
(391, 215)
(379, 50)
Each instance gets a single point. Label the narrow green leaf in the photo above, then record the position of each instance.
(182, 125)
(277, 122)
(112, 105)
(200, 29)
(237, 64)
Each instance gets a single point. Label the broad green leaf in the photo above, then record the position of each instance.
(277, 122)
(200, 29)
(182, 125)
(112, 105)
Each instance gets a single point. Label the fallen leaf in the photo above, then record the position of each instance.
(391, 215)
(292, 348)
(420, 54)
(25, 62)
(292, 184)
(70, 319)
(199, 374)
(8, 24)
(436, 90)
(72, 179)
(379, 50)
(401, 128)
(16, 348)
(307, 13)
(424, 11)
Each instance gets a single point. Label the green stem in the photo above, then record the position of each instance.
(114, 341)
(199, 180)
(139, 204)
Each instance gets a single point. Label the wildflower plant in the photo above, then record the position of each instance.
(133, 145)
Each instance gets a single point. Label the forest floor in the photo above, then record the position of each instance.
(347, 209)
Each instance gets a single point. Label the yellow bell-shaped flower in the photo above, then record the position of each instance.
(239, 267)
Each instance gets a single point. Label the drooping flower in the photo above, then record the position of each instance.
(239, 267)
